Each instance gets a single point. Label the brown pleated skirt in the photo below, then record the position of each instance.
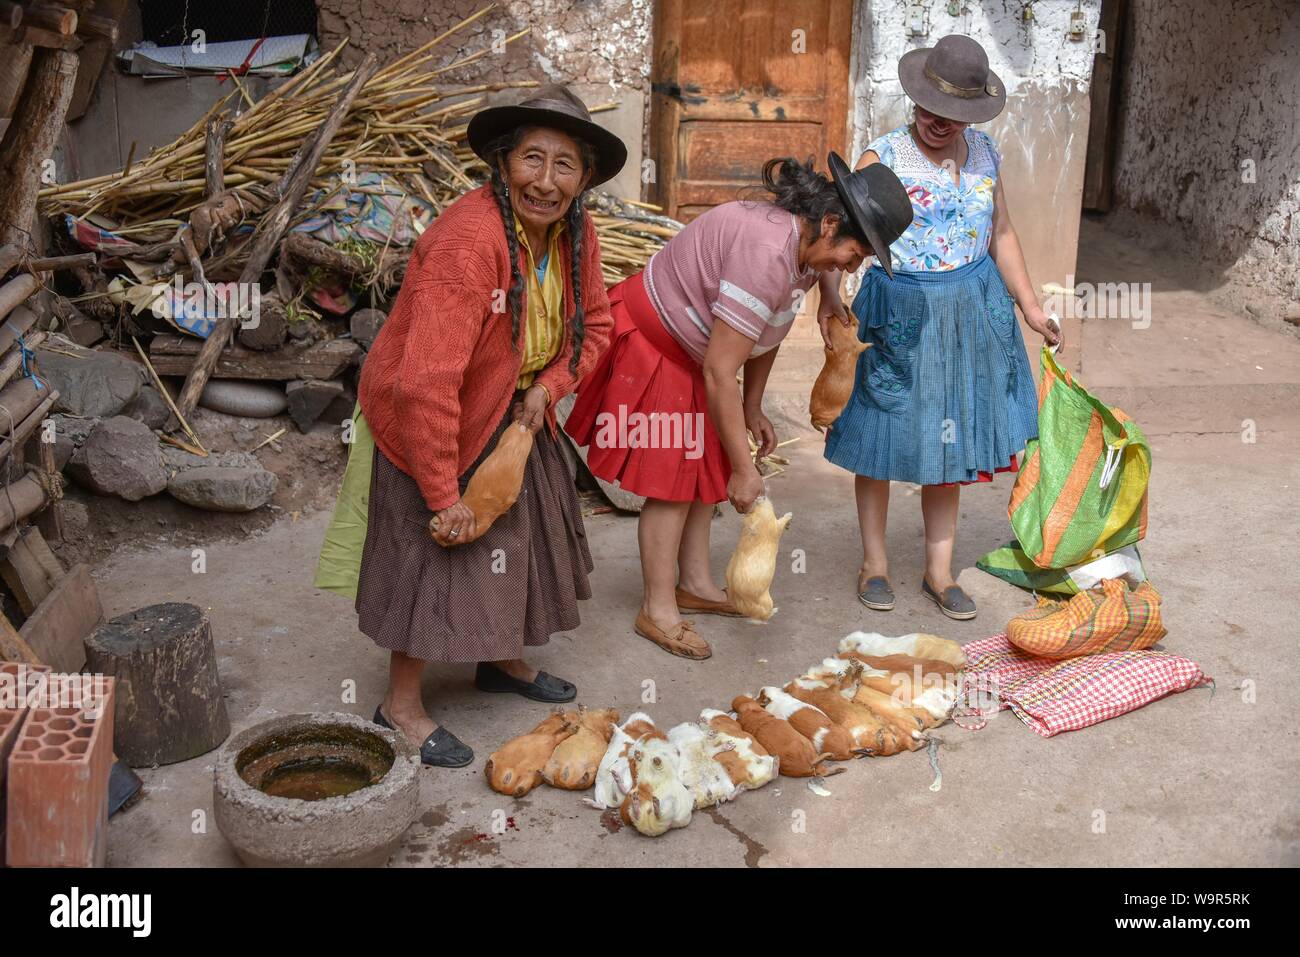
(485, 601)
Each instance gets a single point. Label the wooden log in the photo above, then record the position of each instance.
(13, 360)
(19, 323)
(24, 429)
(45, 16)
(101, 28)
(272, 328)
(29, 141)
(11, 14)
(173, 355)
(18, 289)
(170, 706)
(267, 237)
(59, 263)
(41, 38)
(10, 256)
(13, 75)
(57, 630)
(214, 177)
(22, 498)
(17, 401)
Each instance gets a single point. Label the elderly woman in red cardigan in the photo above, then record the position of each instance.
(502, 312)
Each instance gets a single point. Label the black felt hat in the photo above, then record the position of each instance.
(877, 203)
(952, 79)
(557, 108)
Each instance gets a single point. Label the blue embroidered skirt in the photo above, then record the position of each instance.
(946, 391)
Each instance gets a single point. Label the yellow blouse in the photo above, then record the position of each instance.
(544, 324)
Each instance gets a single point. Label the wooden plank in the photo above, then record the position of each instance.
(174, 355)
(30, 569)
(57, 629)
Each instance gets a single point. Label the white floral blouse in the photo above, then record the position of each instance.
(953, 223)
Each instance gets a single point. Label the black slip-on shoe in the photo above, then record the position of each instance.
(877, 594)
(954, 602)
(441, 749)
(544, 687)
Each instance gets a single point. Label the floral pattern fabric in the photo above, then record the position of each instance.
(953, 222)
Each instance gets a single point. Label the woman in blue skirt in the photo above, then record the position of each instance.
(945, 396)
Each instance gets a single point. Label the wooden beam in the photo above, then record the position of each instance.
(20, 499)
(12, 645)
(56, 19)
(20, 321)
(13, 361)
(272, 226)
(30, 569)
(23, 431)
(59, 263)
(17, 290)
(174, 355)
(29, 141)
(44, 39)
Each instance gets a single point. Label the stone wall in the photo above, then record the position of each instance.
(1210, 131)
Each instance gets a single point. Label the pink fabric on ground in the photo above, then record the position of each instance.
(1052, 696)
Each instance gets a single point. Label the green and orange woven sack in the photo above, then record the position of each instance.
(1082, 490)
(1108, 617)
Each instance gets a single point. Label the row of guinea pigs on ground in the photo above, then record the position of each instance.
(878, 697)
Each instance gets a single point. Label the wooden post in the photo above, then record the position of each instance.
(29, 141)
(170, 706)
(267, 238)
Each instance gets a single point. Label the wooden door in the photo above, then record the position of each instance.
(735, 83)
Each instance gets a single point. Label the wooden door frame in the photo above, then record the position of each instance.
(665, 110)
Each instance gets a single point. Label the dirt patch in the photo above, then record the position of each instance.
(309, 468)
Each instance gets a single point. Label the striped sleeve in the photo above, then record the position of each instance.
(752, 290)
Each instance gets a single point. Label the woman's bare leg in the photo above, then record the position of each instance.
(403, 705)
(659, 535)
(873, 514)
(939, 506)
(693, 555)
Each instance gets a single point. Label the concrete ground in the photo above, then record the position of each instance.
(1200, 778)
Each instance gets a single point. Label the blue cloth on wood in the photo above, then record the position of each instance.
(946, 391)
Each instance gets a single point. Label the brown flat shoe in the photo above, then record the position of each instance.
(682, 640)
(695, 605)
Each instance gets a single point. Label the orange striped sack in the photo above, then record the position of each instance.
(1107, 617)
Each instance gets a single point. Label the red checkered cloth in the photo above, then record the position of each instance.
(1052, 696)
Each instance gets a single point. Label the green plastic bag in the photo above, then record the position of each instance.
(1082, 490)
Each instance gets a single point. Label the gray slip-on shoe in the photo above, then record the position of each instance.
(876, 593)
(954, 602)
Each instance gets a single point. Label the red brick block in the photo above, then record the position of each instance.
(15, 685)
(57, 800)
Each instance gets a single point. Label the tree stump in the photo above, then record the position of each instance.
(169, 703)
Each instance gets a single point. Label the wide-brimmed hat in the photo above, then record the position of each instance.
(877, 204)
(556, 107)
(952, 79)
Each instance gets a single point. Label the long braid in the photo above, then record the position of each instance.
(577, 224)
(515, 295)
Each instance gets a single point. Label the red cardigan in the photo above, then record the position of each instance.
(442, 371)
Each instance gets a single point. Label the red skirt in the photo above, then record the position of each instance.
(643, 411)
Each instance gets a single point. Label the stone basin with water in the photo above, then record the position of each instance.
(316, 790)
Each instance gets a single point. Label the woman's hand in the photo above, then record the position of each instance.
(760, 426)
(1037, 320)
(455, 524)
(744, 486)
(830, 309)
(531, 413)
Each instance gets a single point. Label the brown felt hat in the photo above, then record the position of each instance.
(952, 79)
(555, 107)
